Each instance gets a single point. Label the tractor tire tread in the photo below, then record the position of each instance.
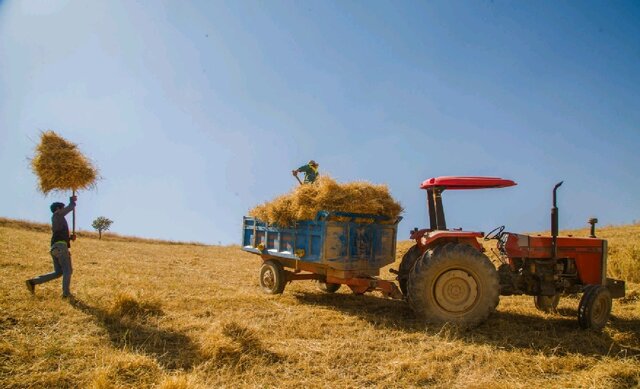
(278, 272)
(434, 263)
(407, 264)
(585, 307)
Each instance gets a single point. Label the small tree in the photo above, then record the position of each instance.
(101, 224)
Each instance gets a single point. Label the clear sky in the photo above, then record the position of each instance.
(196, 111)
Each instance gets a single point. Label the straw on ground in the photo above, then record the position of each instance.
(150, 314)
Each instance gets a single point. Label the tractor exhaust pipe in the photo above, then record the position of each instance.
(554, 223)
(592, 221)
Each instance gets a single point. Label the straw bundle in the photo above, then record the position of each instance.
(304, 202)
(59, 165)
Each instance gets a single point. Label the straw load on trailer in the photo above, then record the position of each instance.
(326, 194)
(336, 234)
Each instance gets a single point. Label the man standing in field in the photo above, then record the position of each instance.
(310, 171)
(60, 244)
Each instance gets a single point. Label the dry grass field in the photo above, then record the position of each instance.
(154, 314)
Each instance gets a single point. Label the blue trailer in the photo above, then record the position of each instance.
(335, 248)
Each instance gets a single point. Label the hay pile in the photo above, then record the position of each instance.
(59, 165)
(325, 194)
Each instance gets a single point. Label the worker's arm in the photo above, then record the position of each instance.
(304, 169)
(72, 204)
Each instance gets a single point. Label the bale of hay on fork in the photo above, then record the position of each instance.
(326, 194)
(60, 166)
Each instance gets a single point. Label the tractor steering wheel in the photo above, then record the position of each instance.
(496, 233)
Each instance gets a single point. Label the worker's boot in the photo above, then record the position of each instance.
(30, 286)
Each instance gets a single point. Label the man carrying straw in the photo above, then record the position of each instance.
(60, 244)
(60, 166)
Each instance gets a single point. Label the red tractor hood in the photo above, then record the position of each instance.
(454, 182)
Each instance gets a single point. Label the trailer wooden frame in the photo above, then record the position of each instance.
(312, 271)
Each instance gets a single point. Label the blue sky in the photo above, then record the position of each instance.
(196, 111)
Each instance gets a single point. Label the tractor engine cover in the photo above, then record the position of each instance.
(589, 254)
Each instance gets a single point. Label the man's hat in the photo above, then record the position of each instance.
(313, 163)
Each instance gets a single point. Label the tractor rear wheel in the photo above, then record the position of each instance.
(454, 283)
(272, 277)
(595, 307)
(408, 261)
(547, 303)
(328, 287)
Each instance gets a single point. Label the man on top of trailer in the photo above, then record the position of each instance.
(310, 171)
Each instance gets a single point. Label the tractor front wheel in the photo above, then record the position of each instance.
(595, 307)
(453, 283)
(547, 303)
(272, 277)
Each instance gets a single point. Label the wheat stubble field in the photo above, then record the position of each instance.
(157, 314)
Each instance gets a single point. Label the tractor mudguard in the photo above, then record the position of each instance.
(616, 288)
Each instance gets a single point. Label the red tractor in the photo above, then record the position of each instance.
(446, 276)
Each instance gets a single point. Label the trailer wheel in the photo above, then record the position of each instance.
(406, 265)
(453, 283)
(547, 303)
(595, 307)
(328, 287)
(272, 277)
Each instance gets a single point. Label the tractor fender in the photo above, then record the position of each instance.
(433, 239)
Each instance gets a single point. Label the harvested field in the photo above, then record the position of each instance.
(149, 314)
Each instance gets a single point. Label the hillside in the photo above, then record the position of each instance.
(160, 314)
